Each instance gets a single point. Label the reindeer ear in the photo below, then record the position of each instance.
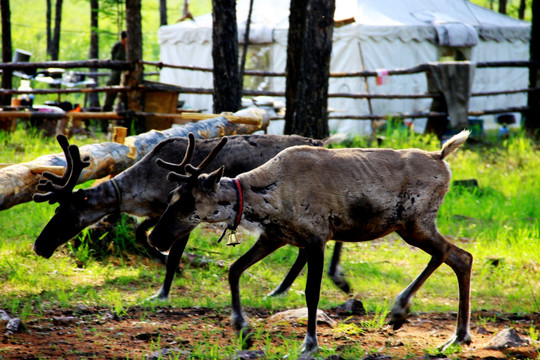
(209, 182)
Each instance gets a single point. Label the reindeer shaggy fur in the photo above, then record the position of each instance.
(306, 196)
(143, 192)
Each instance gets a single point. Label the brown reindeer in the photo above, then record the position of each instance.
(306, 196)
(141, 191)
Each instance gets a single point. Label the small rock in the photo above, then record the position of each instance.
(64, 320)
(111, 316)
(351, 307)
(4, 316)
(306, 356)
(301, 314)
(506, 338)
(482, 331)
(248, 354)
(14, 325)
(172, 353)
(377, 357)
(434, 357)
(147, 336)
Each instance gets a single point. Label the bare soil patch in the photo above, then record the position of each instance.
(96, 333)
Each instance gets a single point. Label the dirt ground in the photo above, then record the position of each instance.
(93, 333)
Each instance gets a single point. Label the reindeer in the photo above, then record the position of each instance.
(141, 191)
(308, 195)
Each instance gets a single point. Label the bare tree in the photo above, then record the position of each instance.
(55, 42)
(502, 6)
(94, 44)
(163, 12)
(532, 118)
(522, 8)
(311, 26)
(227, 84)
(48, 16)
(7, 53)
(134, 52)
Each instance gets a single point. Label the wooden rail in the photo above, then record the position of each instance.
(125, 65)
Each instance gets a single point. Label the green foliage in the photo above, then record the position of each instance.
(28, 26)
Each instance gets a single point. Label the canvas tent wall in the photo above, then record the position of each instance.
(386, 34)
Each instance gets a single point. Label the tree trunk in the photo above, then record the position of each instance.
(7, 53)
(297, 23)
(134, 52)
(55, 43)
(522, 8)
(94, 45)
(163, 12)
(18, 182)
(48, 15)
(502, 6)
(246, 43)
(227, 86)
(532, 118)
(312, 54)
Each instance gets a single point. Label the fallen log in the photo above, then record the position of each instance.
(18, 182)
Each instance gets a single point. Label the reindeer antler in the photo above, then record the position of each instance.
(179, 168)
(60, 187)
(178, 172)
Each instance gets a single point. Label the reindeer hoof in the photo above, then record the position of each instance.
(158, 298)
(397, 324)
(276, 293)
(240, 323)
(456, 340)
(338, 278)
(310, 345)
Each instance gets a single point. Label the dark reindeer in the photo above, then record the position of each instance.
(142, 191)
(306, 196)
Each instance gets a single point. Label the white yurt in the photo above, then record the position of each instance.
(377, 35)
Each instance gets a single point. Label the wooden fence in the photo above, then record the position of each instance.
(128, 66)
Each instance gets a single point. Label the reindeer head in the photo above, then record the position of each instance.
(64, 224)
(182, 214)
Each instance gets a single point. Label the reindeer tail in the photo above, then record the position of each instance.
(453, 143)
(334, 139)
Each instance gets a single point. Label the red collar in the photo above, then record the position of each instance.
(239, 201)
(239, 208)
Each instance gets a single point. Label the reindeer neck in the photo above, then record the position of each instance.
(254, 194)
(99, 201)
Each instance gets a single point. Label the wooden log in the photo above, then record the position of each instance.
(18, 182)
(181, 118)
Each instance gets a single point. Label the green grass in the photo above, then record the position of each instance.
(498, 223)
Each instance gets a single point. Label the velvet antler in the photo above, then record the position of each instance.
(61, 187)
(179, 168)
(178, 172)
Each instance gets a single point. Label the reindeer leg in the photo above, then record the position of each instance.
(402, 304)
(335, 272)
(315, 260)
(173, 260)
(461, 262)
(261, 249)
(292, 274)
